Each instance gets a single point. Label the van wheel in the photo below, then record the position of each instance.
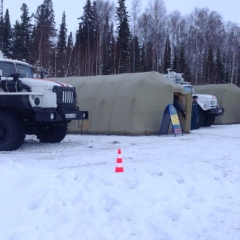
(12, 131)
(52, 134)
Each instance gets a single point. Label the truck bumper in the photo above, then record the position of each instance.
(54, 116)
(217, 111)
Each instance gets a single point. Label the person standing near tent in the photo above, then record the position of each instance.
(194, 118)
(178, 106)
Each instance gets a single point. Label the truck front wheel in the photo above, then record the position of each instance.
(209, 120)
(52, 134)
(12, 131)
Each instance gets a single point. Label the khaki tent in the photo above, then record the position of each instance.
(228, 96)
(124, 104)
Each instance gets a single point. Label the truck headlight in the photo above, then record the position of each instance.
(37, 101)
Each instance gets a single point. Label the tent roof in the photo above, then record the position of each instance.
(139, 78)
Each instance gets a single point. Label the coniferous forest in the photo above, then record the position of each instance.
(112, 39)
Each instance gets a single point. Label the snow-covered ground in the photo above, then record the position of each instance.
(172, 188)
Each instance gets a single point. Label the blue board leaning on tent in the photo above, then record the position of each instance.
(170, 116)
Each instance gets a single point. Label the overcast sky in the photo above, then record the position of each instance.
(228, 9)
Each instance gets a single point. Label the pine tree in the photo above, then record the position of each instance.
(175, 60)
(86, 38)
(167, 56)
(26, 31)
(184, 66)
(69, 56)
(21, 36)
(123, 38)
(149, 57)
(7, 35)
(34, 46)
(45, 34)
(17, 43)
(106, 53)
(182, 59)
(1, 31)
(112, 51)
(77, 56)
(61, 63)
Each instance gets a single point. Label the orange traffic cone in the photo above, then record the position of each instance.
(119, 165)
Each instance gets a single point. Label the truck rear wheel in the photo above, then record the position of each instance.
(52, 134)
(12, 131)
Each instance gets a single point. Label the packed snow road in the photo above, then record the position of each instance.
(172, 188)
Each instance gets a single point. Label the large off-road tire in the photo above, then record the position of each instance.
(12, 132)
(52, 134)
(209, 120)
(201, 118)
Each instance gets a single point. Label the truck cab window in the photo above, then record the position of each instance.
(25, 71)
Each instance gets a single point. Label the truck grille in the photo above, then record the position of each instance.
(213, 103)
(66, 97)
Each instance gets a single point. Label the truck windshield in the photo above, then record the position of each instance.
(7, 69)
(189, 89)
(25, 71)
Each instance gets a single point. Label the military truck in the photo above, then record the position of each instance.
(33, 106)
(208, 108)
